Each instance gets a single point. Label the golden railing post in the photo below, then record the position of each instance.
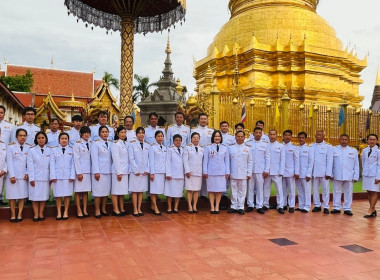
(235, 102)
(329, 126)
(267, 114)
(251, 104)
(215, 95)
(314, 125)
(285, 111)
(302, 108)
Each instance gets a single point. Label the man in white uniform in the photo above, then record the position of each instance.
(129, 121)
(265, 137)
(151, 129)
(29, 115)
(276, 171)
(54, 133)
(306, 159)
(74, 134)
(6, 128)
(322, 170)
(102, 120)
(291, 165)
(240, 172)
(178, 128)
(345, 174)
(260, 170)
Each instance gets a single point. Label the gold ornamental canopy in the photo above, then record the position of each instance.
(128, 17)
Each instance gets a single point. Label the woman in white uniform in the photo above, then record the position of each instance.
(216, 169)
(157, 163)
(40, 163)
(16, 182)
(139, 165)
(120, 171)
(3, 167)
(63, 175)
(174, 174)
(192, 159)
(82, 163)
(371, 173)
(101, 160)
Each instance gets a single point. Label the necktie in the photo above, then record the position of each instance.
(196, 149)
(370, 152)
(63, 150)
(179, 150)
(88, 148)
(217, 148)
(161, 147)
(21, 148)
(142, 145)
(42, 150)
(107, 144)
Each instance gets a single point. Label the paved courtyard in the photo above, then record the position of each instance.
(197, 246)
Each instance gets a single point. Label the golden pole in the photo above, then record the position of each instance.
(126, 70)
(285, 111)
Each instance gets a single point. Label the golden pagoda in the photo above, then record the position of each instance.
(281, 46)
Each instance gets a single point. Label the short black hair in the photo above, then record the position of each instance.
(177, 136)
(63, 134)
(152, 114)
(2, 107)
(103, 113)
(140, 128)
(29, 109)
(179, 113)
(373, 134)
(302, 133)
(158, 132)
(344, 135)
(203, 114)
(257, 128)
(260, 122)
(239, 124)
(53, 120)
(287, 131)
(240, 131)
(101, 127)
(19, 130)
(129, 117)
(39, 133)
(84, 129)
(213, 136)
(195, 133)
(223, 122)
(120, 128)
(77, 118)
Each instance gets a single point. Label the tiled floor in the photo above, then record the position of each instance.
(184, 246)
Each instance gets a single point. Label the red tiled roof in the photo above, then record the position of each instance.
(97, 83)
(25, 98)
(2, 73)
(58, 82)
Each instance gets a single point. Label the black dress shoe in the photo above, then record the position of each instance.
(13, 220)
(86, 215)
(326, 211)
(297, 209)
(80, 217)
(231, 210)
(285, 207)
(104, 214)
(135, 214)
(175, 211)
(98, 216)
(141, 214)
(265, 208)
(348, 212)
(158, 214)
(36, 219)
(169, 212)
(190, 211)
(260, 211)
(65, 218)
(58, 218)
(241, 211)
(212, 212)
(280, 210)
(335, 211)
(316, 209)
(124, 213)
(195, 211)
(116, 214)
(304, 211)
(19, 220)
(372, 215)
(249, 209)
(216, 212)
(41, 219)
(291, 210)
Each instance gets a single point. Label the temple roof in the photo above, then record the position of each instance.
(7, 92)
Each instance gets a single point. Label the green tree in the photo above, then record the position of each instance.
(22, 83)
(110, 80)
(141, 90)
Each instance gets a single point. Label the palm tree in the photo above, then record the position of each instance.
(110, 80)
(142, 88)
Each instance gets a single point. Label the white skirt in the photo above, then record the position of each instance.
(174, 187)
(369, 184)
(119, 187)
(194, 183)
(158, 185)
(138, 183)
(18, 190)
(84, 185)
(216, 183)
(102, 187)
(63, 187)
(40, 192)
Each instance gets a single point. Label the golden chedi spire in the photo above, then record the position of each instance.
(378, 77)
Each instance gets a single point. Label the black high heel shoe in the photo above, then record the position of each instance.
(374, 214)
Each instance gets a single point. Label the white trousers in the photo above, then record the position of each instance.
(325, 185)
(277, 180)
(289, 185)
(256, 186)
(304, 193)
(238, 193)
(337, 194)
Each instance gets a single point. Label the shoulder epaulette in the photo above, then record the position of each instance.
(146, 126)
(232, 144)
(200, 146)
(186, 125)
(89, 141)
(116, 141)
(247, 145)
(97, 140)
(94, 124)
(189, 144)
(20, 124)
(133, 141)
(171, 125)
(78, 141)
(172, 146)
(209, 144)
(223, 144)
(193, 127)
(29, 144)
(51, 147)
(153, 144)
(147, 142)
(1, 141)
(109, 140)
(12, 143)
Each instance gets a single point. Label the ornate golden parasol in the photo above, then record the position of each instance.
(128, 17)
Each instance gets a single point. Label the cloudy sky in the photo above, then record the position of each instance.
(32, 32)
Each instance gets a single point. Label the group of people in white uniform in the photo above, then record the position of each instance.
(202, 160)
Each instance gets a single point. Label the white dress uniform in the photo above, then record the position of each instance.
(131, 135)
(101, 161)
(193, 161)
(241, 167)
(95, 132)
(260, 163)
(120, 166)
(16, 165)
(3, 163)
(74, 136)
(216, 164)
(323, 158)
(264, 137)
(82, 163)
(276, 171)
(205, 139)
(157, 166)
(31, 129)
(149, 134)
(345, 170)
(175, 169)
(139, 163)
(40, 167)
(63, 171)
(288, 180)
(182, 130)
(53, 138)
(228, 139)
(371, 168)
(306, 160)
(6, 130)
